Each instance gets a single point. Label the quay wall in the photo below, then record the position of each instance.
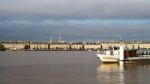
(68, 46)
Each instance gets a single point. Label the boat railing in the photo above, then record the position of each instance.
(110, 52)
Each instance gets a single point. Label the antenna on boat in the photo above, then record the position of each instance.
(120, 38)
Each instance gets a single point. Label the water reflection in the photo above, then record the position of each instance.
(123, 73)
(110, 74)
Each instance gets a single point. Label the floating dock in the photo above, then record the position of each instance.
(137, 58)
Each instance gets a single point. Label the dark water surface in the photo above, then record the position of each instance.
(67, 67)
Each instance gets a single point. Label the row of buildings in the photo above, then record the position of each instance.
(28, 45)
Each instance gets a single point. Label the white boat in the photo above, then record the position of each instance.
(108, 58)
(114, 54)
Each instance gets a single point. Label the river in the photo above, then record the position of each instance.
(67, 67)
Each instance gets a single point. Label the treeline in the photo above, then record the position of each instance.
(2, 48)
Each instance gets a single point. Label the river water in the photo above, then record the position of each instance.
(67, 67)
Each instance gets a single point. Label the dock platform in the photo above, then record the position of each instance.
(137, 58)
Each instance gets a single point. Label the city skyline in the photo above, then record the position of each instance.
(74, 20)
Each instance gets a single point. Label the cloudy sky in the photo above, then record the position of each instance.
(75, 20)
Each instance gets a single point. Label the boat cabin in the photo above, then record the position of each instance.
(130, 53)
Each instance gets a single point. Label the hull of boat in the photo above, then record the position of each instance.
(108, 58)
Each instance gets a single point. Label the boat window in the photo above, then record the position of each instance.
(116, 48)
(142, 53)
(110, 48)
(146, 53)
(113, 48)
(111, 53)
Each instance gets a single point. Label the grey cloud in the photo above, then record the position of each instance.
(74, 19)
(77, 8)
(36, 31)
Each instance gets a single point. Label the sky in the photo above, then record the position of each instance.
(74, 20)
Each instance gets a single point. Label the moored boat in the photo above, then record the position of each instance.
(116, 54)
(111, 55)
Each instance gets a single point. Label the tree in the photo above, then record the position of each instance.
(2, 48)
(27, 47)
(83, 48)
(70, 48)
